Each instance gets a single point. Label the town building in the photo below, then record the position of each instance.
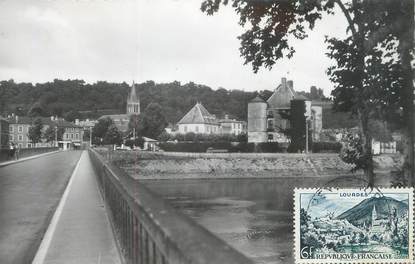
(133, 108)
(72, 137)
(4, 133)
(19, 132)
(232, 126)
(86, 124)
(198, 120)
(267, 120)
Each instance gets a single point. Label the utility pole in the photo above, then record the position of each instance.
(90, 136)
(56, 136)
(306, 136)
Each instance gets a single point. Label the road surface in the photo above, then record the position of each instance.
(29, 193)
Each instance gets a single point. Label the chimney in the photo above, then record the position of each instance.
(77, 121)
(284, 82)
(51, 118)
(226, 116)
(290, 84)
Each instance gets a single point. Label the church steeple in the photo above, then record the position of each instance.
(374, 215)
(133, 102)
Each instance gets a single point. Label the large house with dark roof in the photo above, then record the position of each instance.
(266, 121)
(133, 108)
(199, 121)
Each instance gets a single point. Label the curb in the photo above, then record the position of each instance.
(50, 230)
(3, 164)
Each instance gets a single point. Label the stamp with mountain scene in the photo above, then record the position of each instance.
(354, 226)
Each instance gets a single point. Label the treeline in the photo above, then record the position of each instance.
(77, 99)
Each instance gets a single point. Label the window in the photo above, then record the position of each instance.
(76, 136)
(20, 145)
(11, 129)
(11, 138)
(20, 128)
(185, 129)
(66, 136)
(20, 137)
(29, 145)
(197, 129)
(71, 136)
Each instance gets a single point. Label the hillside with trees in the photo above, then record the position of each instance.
(73, 99)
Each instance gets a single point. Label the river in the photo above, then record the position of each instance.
(255, 216)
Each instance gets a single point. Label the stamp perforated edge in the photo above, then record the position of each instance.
(296, 253)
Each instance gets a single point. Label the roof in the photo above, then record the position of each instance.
(119, 116)
(301, 97)
(62, 123)
(228, 120)
(198, 115)
(132, 96)
(20, 120)
(120, 121)
(26, 120)
(281, 98)
(146, 139)
(257, 99)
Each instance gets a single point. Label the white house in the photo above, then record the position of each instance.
(198, 120)
(232, 126)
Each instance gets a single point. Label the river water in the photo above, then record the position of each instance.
(255, 216)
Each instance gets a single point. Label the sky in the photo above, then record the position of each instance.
(140, 40)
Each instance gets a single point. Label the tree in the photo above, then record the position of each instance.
(112, 135)
(53, 133)
(49, 134)
(100, 129)
(296, 132)
(138, 142)
(370, 24)
(150, 123)
(72, 115)
(35, 131)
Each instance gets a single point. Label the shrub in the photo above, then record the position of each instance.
(331, 147)
(229, 146)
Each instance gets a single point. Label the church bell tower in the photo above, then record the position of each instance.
(133, 102)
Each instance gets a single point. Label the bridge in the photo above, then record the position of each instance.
(74, 207)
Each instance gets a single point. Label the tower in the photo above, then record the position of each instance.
(374, 215)
(133, 102)
(257, 120)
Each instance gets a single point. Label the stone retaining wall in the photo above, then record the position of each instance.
(232, 165)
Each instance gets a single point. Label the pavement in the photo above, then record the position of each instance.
(80, 231)
(5, 163)
(30, 191)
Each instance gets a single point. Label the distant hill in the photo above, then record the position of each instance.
(363, 211)
(406, 201)
(76, 99)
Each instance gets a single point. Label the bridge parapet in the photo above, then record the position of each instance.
(149, 230)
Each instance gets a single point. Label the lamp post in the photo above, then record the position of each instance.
(90, 136)
(306, 136)
(56, 136)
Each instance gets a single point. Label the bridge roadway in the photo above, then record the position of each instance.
(30, 192)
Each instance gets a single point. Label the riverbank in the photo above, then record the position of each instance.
(178, 165)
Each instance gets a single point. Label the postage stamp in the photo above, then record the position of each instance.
(354, 226)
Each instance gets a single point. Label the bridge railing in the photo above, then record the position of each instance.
(149, 231)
